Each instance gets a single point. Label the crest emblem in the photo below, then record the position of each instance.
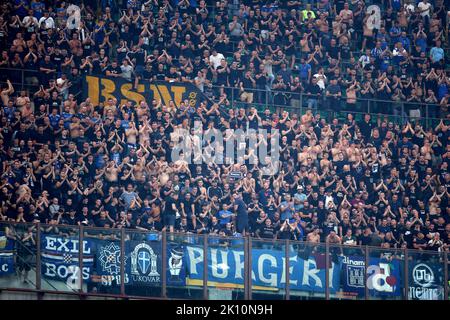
(110, 258)
(144, 258)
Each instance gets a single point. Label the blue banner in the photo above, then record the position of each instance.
(226, 266)
(383, 277)
(142, 263)
(353, 269)
(426, 281)
(107, 262)
(6, 255)
(176, 265)
(60, 257)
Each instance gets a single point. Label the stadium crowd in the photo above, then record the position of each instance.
(370, 182)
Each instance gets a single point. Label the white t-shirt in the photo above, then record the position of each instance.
(320, 80)
(215, 60)
(426, 7)
(33, 25)
(200, 83)
(49, 22)
(398, 52)
(126, 71)
(365, 60)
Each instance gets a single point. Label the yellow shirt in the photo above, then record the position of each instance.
(305, 14)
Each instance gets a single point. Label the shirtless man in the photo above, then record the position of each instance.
(142, 109)
(138, 171)
(19, 43)
(144, 132)
(75, 127)
(322, 23)
(313, 236)
(325, 162)
(131, 134)
(22, 100)
(5, 93)
(335, 151)
(346, 14)
(112, 173)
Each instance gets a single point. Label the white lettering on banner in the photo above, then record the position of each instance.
(377, 280)
(291, 270)
(5, 267)
(221, 270)
(50, 243)
(422, 293)
(195, 257)
(348, 260)
(148, 279)
(51, 270)
(110, 280)
(73, 282)
(423, 275)
(217, 266)
(272, 279)
(65, 245)
(311, 273)
(239, 268)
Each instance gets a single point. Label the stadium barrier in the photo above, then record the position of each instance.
(428, 114)
(124, 263)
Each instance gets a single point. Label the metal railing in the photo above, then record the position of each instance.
(125, 263)
(298, 102)
(27, 79)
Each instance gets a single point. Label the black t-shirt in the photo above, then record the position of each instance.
(71, 221)
(113, 70)
(188, 206)
(169, 210)
(313, 89)
(333, 52)
(345, 52)
(266, 232)
(222, 75)
(408, 237)
(47, 65)
(366, 240)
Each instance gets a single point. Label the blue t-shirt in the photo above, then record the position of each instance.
(385, 62)
(38, 8)
(395, 30)
(21, 11)
(224, 217)
(264, 196)
(436, 54)
(396, 5)
(99, 161)
(405, 42)
(54, 119)
(125, 124)
(286, 214)
(116, 157)
(442, 90)
(303, 70)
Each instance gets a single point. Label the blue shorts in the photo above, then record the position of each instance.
(169, 220)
